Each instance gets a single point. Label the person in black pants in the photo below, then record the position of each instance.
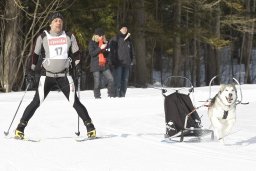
(122, 58)
(55, 46)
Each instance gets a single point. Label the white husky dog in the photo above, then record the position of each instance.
(222, 111)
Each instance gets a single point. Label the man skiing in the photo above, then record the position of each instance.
(54, 46)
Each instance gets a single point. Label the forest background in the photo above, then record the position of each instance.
(197, 39)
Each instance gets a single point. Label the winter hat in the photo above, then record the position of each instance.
(123, 25)
(55, 15)
(99, 31)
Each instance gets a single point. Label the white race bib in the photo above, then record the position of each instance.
(58, 46)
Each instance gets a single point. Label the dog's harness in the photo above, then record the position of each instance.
(225, 115)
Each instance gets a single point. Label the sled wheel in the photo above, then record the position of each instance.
(181, 136)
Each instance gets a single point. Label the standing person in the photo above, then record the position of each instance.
(99, 63)
(122, 57)
(55, 46)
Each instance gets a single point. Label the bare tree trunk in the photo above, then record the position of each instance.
(213, 51)
(196, 48)
(152, 47)
(2, 28)
(198, 63)
(211, 63)
(10, 47)
(122, 11)
(189, 65)
(248, 37)
(141, 72)
(177, 57)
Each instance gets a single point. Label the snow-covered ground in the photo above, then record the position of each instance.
(136, 125)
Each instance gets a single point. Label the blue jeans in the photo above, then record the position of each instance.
(121, 78)
(97, 80)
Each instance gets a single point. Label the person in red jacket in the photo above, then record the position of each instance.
(99, 63)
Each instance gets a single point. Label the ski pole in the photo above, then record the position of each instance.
(7, 132)
(78, 94)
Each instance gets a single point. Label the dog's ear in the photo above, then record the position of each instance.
(234, 86)
(222, 87)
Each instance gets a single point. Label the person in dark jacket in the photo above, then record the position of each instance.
(99, 63)
(122, 57)
(54, 46)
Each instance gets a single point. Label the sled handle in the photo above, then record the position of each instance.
(240, 89)
(241, 101)
(191, 85)
(210, 85)
(238, 102)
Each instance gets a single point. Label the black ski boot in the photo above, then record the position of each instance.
(91, 132)
(19, 132)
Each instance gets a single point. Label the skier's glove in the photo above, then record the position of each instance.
(78, 70)
(30, 77)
